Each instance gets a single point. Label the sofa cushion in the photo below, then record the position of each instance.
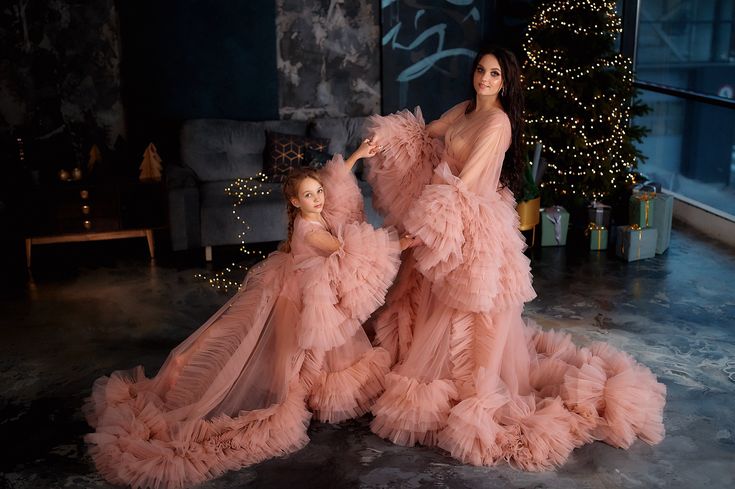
(263, 214)
(286, 151)
(287, 126)
(218, 149)
(344, 133)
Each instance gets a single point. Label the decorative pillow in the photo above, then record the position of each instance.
(314, 158)
(286, 151)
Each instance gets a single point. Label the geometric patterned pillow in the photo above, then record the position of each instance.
(285, 151)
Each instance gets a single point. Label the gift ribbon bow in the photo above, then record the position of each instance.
(646, 197)
(633, 227)
(554, 215)
(595, 227)
(600, 209)
(644, 187)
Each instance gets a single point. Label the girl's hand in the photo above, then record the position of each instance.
(377, 142)
(366, 149)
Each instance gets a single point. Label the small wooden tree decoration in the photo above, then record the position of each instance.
(150, 167)
(95, 156)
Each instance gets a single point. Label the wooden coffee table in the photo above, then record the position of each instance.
(73, 212)
(101, 236)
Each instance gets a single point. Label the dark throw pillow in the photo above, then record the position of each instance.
(286, 151)
(313, 158)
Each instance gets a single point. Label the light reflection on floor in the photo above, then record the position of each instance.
(675, 313)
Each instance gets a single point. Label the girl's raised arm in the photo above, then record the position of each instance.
(366, 149)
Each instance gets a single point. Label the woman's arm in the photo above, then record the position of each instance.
(490, 145)
(437, 128)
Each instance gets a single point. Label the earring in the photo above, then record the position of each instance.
(502, 91)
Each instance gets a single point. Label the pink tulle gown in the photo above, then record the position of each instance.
(242, 388)
(470, 375)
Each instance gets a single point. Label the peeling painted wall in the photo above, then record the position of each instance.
(60, 72)
(328, 54)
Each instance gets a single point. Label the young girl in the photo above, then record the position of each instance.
(288, 346)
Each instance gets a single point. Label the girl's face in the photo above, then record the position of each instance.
(310, 197)
(488, 79)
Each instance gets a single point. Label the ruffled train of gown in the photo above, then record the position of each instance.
(470, 375)
(287, 347)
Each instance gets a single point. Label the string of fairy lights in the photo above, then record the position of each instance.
(607, 112)
(241, 190)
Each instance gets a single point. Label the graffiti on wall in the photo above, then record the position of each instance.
(427, 49)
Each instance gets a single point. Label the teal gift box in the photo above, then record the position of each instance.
(664, 211)
(598, 236)
(635, 243)
(554, 226)
(641, 208)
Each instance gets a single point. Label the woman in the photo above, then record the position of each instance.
(470, 376)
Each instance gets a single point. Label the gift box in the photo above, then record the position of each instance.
(641, 209)
(635, 243)
(554, 226)
(598, 236)
(599, 214)
(662, 220)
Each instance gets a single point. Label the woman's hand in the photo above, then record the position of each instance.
(408, 241)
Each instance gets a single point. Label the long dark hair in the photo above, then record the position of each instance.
(511, 98)
(291, 190)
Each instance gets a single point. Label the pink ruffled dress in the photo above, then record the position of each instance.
(242, 388)
(470, 375)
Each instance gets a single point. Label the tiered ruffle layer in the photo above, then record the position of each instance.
(506, 391)
(291, 335)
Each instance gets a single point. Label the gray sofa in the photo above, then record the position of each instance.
(215, 152)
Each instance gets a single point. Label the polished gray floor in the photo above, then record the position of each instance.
(97, 307)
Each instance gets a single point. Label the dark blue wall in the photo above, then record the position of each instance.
(184, 59)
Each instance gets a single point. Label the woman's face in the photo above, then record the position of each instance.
(310, 198)
(488, 79)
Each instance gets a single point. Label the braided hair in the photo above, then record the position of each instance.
(291, 191)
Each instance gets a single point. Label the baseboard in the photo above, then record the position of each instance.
(710, 221)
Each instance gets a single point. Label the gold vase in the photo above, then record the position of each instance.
(528, 211)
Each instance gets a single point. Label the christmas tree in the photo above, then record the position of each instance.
(580, 100)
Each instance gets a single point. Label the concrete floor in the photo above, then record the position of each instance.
(96, 307)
